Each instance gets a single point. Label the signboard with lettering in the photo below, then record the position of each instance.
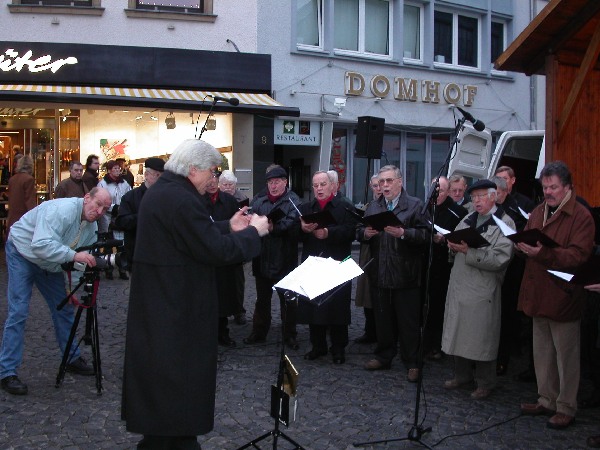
(297, 132)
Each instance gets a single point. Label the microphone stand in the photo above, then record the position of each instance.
(418, 430)
(214, 102)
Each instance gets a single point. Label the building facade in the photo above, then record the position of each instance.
(408, 62)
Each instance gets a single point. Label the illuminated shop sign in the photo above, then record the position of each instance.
(411, 89)
(11, 60)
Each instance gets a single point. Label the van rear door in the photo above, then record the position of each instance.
(472, 154)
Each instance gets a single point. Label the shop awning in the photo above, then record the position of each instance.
(167, 99)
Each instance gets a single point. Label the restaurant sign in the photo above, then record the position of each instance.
(297, 132)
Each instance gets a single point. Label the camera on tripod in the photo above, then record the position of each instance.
(101, 250)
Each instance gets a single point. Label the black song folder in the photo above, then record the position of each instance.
(381, 220)
(322, 218)
(471, 237)
(532, 237)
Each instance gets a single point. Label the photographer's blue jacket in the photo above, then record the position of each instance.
(48, 234)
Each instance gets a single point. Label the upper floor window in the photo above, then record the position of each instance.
(497, 39)
(362, 26)
(58, 2)
(456, 39)
(309, 23)
(413, 29)
(196, 6)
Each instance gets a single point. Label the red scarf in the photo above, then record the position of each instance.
(213, 197)
(323, 203)
(273, 198)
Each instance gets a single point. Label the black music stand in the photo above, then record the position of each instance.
(418, 430)
(276, 394)
(90, 280)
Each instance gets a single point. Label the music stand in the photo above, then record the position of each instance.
(418, 430)
(294, 288)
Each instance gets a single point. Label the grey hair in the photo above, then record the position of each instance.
(500, 182)
(333, 176)
(193, 153)
(25, 164)
(228, 175)
(396, 170)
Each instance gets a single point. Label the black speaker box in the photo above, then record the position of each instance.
(369, 137)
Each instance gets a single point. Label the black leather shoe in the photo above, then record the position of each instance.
(365, 339)
(254, 339)
(80, 367)
(338, 357)
(226, 341)
(314, 354)
(292, 343)
(13, 385)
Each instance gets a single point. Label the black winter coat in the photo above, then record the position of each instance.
(171, 344)
(279, 249)
(128, 217)
(338, 245)
(398, 263)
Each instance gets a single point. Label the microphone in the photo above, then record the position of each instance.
(477, 124)
(232, 101)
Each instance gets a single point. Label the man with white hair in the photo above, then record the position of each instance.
(472, 317)
(171, 344)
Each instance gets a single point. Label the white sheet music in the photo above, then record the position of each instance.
(316, 276)
(523, 213)
(564, 275)
(506, 230)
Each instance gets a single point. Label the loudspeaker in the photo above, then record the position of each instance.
(369, 137)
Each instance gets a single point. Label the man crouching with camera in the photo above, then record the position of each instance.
(37, 245)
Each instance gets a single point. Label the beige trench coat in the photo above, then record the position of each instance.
(472, 316)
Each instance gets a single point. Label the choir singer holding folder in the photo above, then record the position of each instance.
(333, 240)
(395, 275)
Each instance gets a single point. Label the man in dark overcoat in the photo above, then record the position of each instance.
(331, 241)
(171, 344)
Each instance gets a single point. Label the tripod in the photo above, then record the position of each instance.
(277, 396)
(90, 281)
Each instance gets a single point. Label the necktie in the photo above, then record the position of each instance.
(390, 206)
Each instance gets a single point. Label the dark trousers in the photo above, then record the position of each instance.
(397, 317)
(169, 443)
(438, 288)
(240, 281)
(337, 333)
(510, 324)
(262, 310)
(370, 327)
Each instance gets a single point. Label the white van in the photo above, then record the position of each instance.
(474, 159)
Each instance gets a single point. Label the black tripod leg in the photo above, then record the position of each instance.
(92, 313)
(65, 359)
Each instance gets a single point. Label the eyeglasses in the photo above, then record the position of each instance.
(216, 173)
(387, 180)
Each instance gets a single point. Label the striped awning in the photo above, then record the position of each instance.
(173, 99)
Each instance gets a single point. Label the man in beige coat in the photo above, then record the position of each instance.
(473, 305)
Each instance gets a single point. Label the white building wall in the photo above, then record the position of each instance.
(113, 27)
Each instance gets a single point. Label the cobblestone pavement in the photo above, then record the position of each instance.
(339, 405)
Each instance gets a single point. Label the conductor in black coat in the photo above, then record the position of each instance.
(330, 241)
(171, 344)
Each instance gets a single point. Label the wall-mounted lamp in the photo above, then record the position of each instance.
(170, 121)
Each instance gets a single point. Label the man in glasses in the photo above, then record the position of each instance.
(395, 275)
(473, 304)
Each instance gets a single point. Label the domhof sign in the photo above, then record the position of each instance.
(411, 89)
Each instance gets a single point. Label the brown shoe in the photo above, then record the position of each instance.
(413, 375)
(480, 393)
(535, 409)
(454, 383)
(375, 364)
(593, 441)
(560, 421)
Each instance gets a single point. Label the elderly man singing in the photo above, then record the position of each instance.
(472, 317)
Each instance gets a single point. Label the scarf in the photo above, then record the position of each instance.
(273, 198)
(323, 203)
(548, 213)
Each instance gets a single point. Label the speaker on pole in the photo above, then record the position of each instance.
(369, 137)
